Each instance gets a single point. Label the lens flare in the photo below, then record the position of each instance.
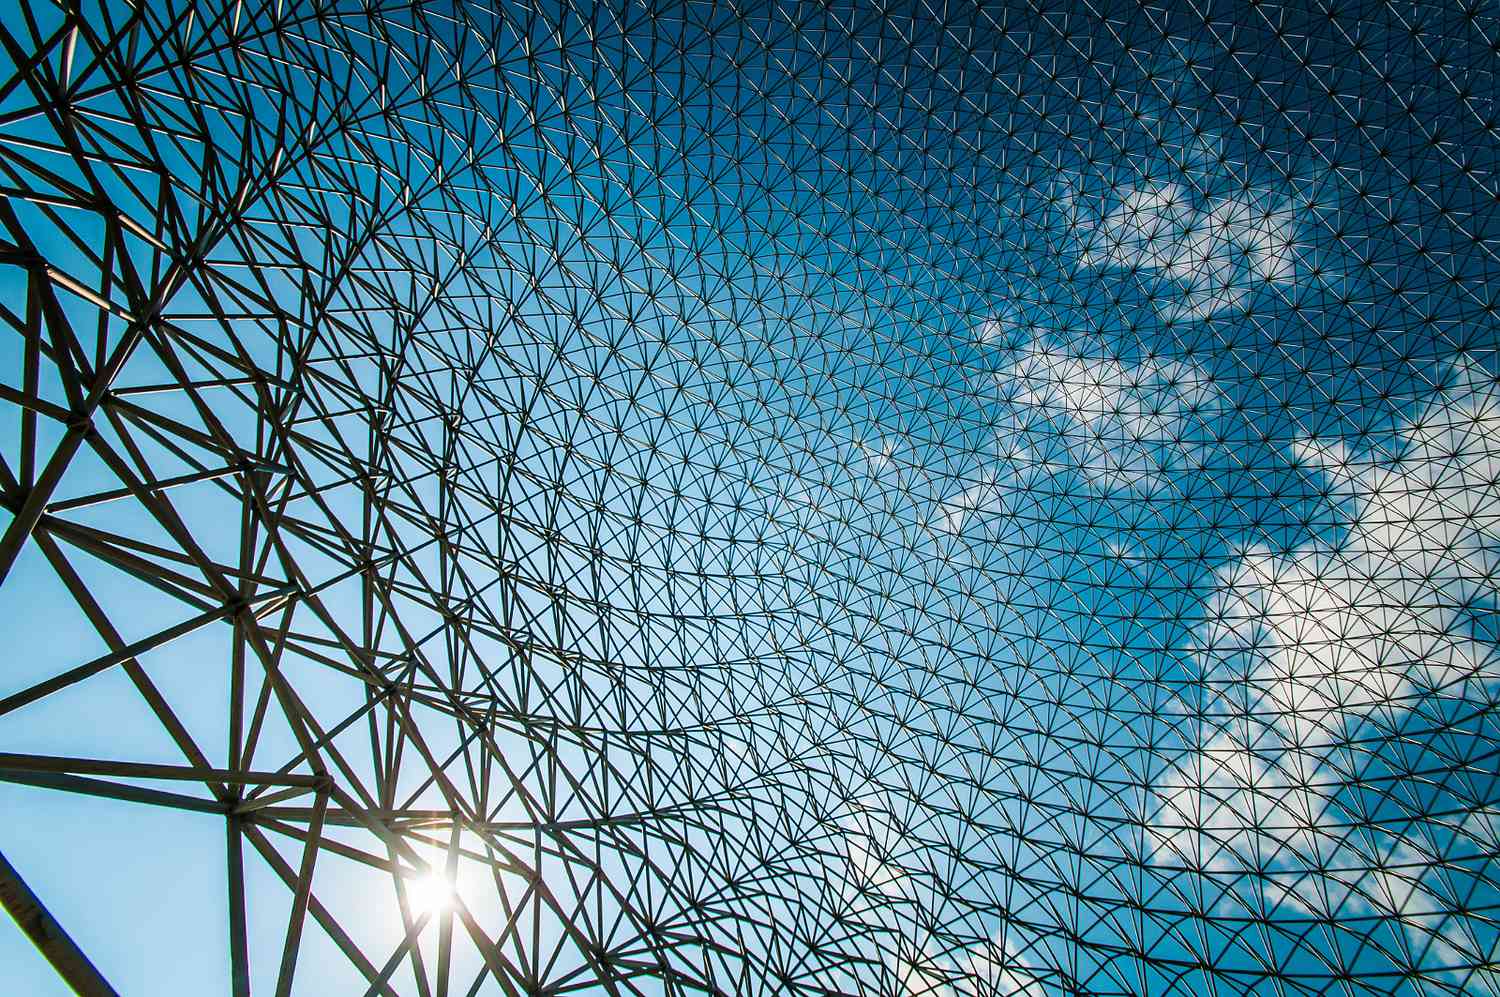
(430, 892)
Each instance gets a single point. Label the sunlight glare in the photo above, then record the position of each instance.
(429, 892)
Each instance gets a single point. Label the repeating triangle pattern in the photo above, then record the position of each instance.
(799, 498)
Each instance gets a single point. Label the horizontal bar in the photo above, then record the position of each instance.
(111, 790)
(148, 770)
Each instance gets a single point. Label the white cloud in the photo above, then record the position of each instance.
(1232, 800)
(982, 497)
(871, 872)
(1212, 251)
(1334, 632)
(872, 837)
(923, 979)
(881, 457)
(1001, 969)
(996, 968)
(1314, 643)
(992, 330)
(1118, 426)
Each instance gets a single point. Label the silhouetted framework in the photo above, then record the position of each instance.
(755, 498)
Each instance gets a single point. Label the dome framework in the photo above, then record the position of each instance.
(695, 497)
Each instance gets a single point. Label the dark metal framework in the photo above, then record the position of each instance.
(766, 498)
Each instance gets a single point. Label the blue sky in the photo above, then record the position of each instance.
(985, 506)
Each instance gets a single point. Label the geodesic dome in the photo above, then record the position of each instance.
(811, 498)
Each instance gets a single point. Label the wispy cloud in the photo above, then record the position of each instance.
(1207, 254)
(997, 967)
(1118, 426)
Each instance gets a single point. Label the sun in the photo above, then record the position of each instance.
(429, 892)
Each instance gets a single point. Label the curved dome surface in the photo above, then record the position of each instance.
(822, 498)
